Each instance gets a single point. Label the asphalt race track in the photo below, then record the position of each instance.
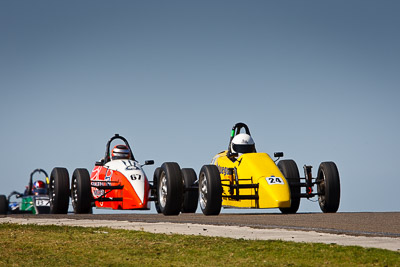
(364, 223)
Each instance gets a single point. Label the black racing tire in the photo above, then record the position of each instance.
(328, 187)
(170, 188)
(59, 191)
(81, 195)
(156, 177)
(3, 205)
(289, 169)
(210, 190)
(190, 196)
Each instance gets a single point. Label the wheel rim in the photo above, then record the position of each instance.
(163, 190)
(74, 193)
(321, 190)
(203, 191)
(52, 195)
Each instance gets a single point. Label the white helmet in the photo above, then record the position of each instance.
(243, 143)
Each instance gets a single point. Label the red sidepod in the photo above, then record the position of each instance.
(122, 197)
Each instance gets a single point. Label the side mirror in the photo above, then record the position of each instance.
(278, 154)
(149, 162)
(99, 163)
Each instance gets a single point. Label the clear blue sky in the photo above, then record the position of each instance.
(318, 80)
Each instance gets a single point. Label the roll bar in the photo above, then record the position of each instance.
(31, 179)
(235, 131)
(116, 136)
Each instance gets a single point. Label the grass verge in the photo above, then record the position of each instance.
(29, 245)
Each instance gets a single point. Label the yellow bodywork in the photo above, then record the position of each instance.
(252, 169)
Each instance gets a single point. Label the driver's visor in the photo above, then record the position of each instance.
(244, 148)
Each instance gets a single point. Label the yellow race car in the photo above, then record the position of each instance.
(240, 177)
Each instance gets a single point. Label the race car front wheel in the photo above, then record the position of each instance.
(291, 172)
(210, 190)
(81, 196)
(3, 205)
(328, 187)
(59, 191)
(170, 189)
(190, 194)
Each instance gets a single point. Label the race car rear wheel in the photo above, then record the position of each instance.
(156, 178)
(81, 195)
(59, 191)
(190, 195)
(210, 190)
(291, 172)
(170, 188)
(3, 205)
(328, 187)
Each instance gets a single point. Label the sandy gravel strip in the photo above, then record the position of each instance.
(223, 231)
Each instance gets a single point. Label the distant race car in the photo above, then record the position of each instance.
(117, 182)
(242, 178)
(35, 199)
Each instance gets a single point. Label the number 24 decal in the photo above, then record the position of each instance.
(274, 180)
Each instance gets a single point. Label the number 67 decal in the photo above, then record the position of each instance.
(135, 177)
(274, 180)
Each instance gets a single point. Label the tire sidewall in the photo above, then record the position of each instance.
(190, 197)
(329, 173)
(83, 203)
(171, 172)
(290, 171)
(3, 205)
(214, 190)
(156, 177)
(59, 187)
